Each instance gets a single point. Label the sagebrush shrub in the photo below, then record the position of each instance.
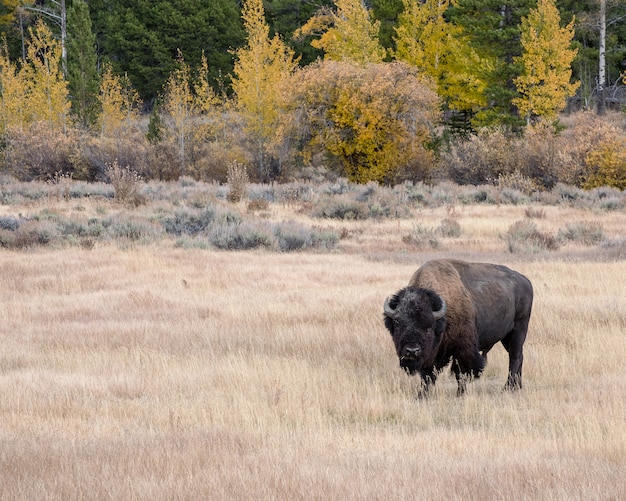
(523, 236)
(450, 227)
(185, 222)
(341, 207)
(242, 236)
(422, 236)
(586, 233)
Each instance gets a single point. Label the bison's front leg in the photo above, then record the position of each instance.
(461, 378)
(467, 367)
(429, 376)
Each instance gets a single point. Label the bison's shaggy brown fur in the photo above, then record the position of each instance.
(484, 304)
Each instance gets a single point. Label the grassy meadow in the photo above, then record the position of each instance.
(162, 369)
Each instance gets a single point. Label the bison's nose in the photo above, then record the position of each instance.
(411, 351)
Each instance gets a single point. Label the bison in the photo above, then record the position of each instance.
(457, 311)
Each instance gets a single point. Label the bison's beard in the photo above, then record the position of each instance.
(410, 365)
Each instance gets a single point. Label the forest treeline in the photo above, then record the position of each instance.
(379, 90)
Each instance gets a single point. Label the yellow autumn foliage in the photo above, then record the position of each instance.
(261, 66)
(375, 119)
(36, 91)
(605, 165)
(119, 103)
(13, 102)
(427, 41)
(347, 33)
(546, 60)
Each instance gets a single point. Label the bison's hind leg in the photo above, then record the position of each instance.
(514, 345)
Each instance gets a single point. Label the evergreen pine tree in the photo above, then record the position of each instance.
(82, 71)
(155, 126)
(493, 30)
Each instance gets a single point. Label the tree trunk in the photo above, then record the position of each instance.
(602, 62)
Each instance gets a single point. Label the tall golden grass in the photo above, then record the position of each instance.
(160, 373)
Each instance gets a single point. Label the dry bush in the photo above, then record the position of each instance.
(536, 153)
(132, 150)
(450, 227)
(517, 181)
(37, 153)
(584, 132)
(422, 237)
(534, 213)
(257, 204)
(126, 183)
(237, 182)
(481, 158)
(588, 152)
(61, 184)
(163, 162)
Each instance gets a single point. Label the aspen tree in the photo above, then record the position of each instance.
(46, 88)
(261, 66)
(179, 104)
(544, 84)
(349, 33)
(13, 102)
(438, 48)
(119, 103)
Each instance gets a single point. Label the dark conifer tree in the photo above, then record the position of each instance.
(82, 70)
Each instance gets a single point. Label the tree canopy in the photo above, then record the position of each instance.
(544, 82)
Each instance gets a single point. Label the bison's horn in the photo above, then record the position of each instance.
(441, 311)
(389, 311)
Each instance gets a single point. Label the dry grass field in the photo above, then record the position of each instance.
(152, 372)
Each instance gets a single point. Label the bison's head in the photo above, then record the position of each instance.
(415, 318)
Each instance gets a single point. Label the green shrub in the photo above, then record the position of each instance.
(29, 234)
(9, 223)
(324, 238)
(133, 228)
